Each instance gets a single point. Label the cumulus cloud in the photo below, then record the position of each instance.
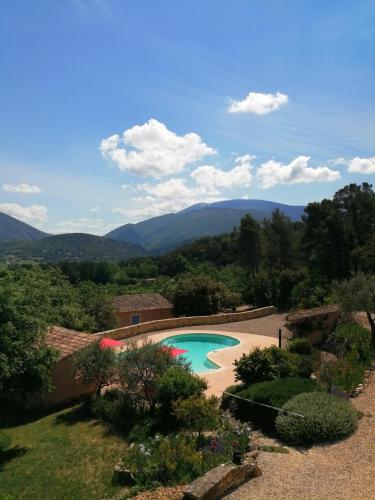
(94, 209)
(151, 149)
(297, 171)
(34, 212)
(210, 179)
(21, 188)
(357, 165)
(258, 103)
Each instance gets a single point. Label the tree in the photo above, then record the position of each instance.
(96, 366)
(98, 304)
(324, 241)
(199, 296)
(358, 294)
(25, 360)
(140, 368)
(250, 244)
(278, 236)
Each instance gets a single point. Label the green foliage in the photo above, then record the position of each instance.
(139, 370)
(178, 383)
(25, 360)
(180, 458)
(351, 343)
(164, 460)
(349, 337)
(278, 236)
(199, 296)
(198, 414)
(300, 346)
(226, 400)
(270, 363)
(273, 393)
(326, 418)
(250, 244)
(96, 366)
(75, 246)
(115, 408)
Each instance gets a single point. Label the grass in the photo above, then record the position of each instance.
(63, 455)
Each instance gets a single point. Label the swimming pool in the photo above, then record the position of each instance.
(198, 345)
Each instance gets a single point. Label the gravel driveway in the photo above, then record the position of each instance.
(343, 471)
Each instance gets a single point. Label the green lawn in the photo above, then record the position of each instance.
(62, 456)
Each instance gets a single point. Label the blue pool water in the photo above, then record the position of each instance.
(198, 345)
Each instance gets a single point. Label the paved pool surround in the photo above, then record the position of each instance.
(221, 378)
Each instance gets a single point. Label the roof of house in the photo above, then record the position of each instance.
(67, 342)
(140, 302)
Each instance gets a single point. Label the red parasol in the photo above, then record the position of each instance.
(105, 343)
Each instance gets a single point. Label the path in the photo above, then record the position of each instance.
(342, 471)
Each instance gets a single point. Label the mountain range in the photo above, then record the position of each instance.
(167, 232)
(22, 242)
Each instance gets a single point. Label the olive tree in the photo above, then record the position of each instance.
(358, 294)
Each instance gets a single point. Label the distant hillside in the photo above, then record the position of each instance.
(73, 247)
(294, 212)
(13, 229)
(167, 232)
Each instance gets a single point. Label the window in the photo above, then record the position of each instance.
(135, 319)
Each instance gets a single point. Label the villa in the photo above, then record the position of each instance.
(140, 308)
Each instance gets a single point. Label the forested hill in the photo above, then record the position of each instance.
(14, 229)
(73, 247)
(167, 232)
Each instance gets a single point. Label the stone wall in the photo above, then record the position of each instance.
(171, 323)
(315, 323)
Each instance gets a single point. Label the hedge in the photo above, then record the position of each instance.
(274, 393)
(326, 418)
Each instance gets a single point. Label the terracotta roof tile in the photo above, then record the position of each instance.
(140, 302)
(67, 342)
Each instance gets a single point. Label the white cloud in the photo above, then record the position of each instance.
(34, 212)
(258, 103)
(357, 165)
(210, 178)
(297, 171)
(154, 150)
(94, 209)
(21, 188)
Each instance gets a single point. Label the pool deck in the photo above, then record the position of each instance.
(259, 332)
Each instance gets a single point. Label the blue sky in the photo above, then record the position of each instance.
(218, 99)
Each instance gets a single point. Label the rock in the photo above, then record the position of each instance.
(220, 480)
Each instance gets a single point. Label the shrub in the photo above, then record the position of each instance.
(164, 460)
(177, 383)
(349, 337)
(199, 296)
(226, 401)
(115, 408)
(270, 363)
(180, 458)
(96, 366)
(198, 414)
(274, 393)
(140, 368)
(326, 418)
(300, 346)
